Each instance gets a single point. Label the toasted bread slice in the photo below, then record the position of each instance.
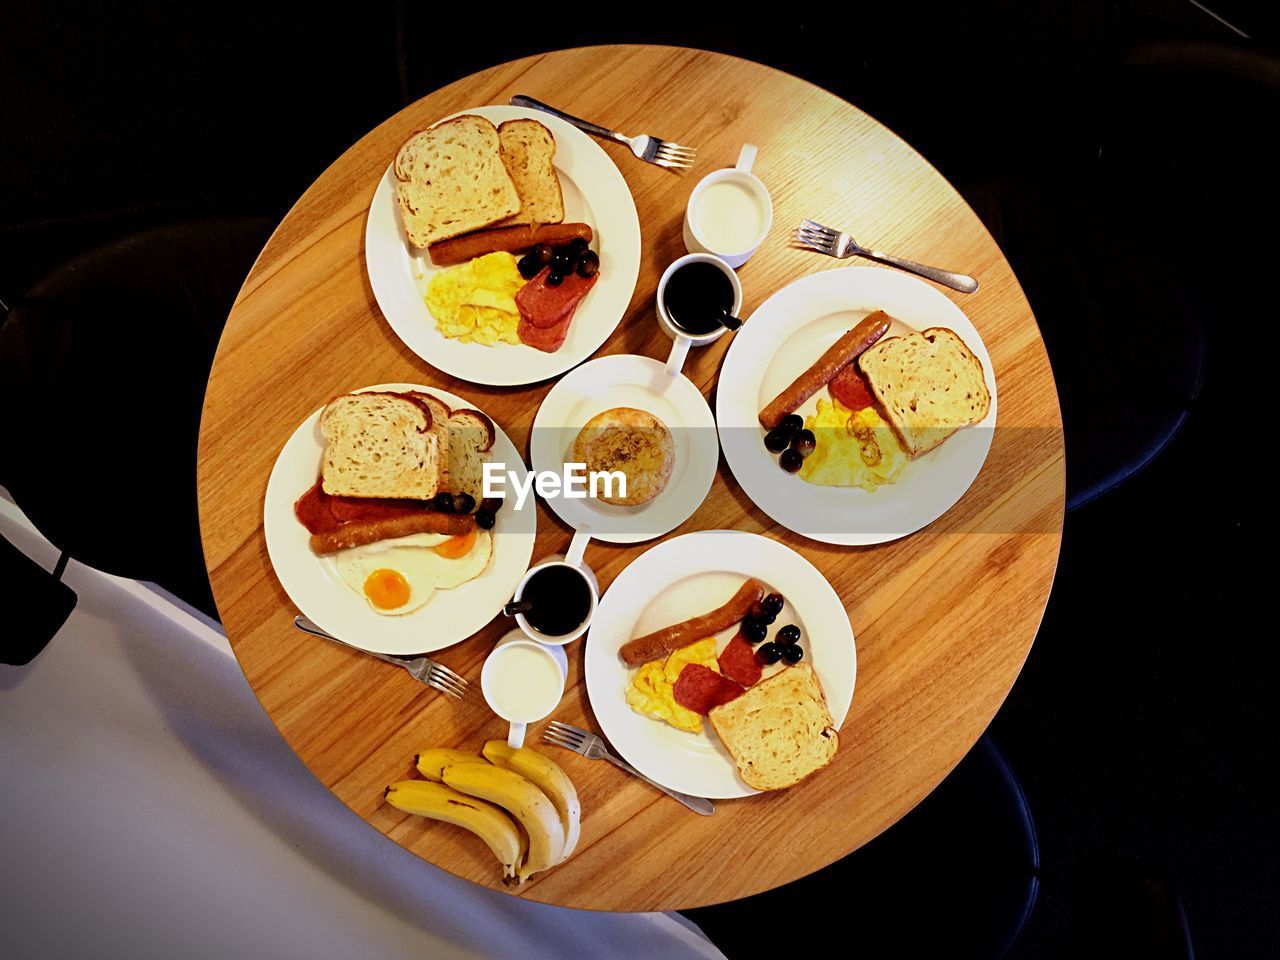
(450, 179)
(633, 442)
(528, 151)
(471, 436)
(440, 414)
(929, 385)
(379, 445)
(780, 731)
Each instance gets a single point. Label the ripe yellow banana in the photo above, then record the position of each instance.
(547, 776)
(485, 820)
(522, 800)
(431, 761)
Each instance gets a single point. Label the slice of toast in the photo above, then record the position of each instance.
(379, 445)
(440, 414)
(471, 437)
(528, 151)
(450, 179)
(929, 385)
(780, 731)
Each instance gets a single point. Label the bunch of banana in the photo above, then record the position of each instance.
(490, 795)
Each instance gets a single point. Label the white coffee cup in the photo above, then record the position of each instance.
(573, 559)
(682, 340)
(729, 212)
(523, 681)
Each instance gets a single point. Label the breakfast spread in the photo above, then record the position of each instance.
(520, 802)
(395, 509)
(892, 399)
(632, 442)
(692, 681)
(474, 195)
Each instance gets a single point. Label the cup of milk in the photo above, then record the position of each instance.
(729, 212)
(523, 681)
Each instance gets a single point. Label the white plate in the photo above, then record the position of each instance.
(312, 582)
(784, 336)
(594, 193)
(625, 380)
(682, 578)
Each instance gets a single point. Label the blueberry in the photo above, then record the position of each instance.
(791, 423)
(443, 502)
(528, 266)
(793, 653)
(791, 461)
(804, 442)
(773, 603)
(485, 520)
(588, 265)
(464, 503)
(753, 631)
(788, 634)
(554, 279)
(769, 653)
(775, 441)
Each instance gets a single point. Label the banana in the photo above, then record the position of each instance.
(548, 777)
(522, 800)
(485, 820)
(431, 761)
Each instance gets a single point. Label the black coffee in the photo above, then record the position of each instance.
(560, 600)
(696, 296)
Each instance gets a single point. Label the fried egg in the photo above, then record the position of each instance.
(853, 449)
(398, 576)
(475, 302)
(652, 690)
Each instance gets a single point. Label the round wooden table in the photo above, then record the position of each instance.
(944, 618)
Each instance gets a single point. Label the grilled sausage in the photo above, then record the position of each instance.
(662, 642)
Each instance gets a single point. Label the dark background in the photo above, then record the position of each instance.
(1122, 154)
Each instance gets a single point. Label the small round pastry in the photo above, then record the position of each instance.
(633, 442)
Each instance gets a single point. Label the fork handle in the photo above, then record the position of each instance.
(956, 281)
(697, 804)
(306, 626)
(586, 126)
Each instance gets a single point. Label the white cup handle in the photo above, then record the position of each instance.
(515, 736)
(679, 352)
(578, 546)
(747, 158)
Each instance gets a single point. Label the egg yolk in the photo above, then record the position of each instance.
(458, 546)
(387, 589)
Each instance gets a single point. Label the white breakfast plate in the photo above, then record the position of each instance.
(682, 578)
(312, 582)
(626, 380)
(594, 193)
(786, 334)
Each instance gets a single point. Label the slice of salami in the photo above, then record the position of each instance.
(700, 688)
(547, 339)
(543, 305)
(850, 387)
(738, 662)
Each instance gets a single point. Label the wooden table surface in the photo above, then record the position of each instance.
(944, 619)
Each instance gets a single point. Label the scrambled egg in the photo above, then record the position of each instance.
(852, 449)
(652, 688)
(475, 302)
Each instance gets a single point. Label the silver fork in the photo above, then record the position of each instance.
(423, 669)
(840, 245)
(664, 153)
(592, 747)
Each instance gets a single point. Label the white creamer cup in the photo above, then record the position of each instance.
(573, 558)
(740, 174)
(682, 339)
(494, 663)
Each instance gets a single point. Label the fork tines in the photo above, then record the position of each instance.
(674, 156)
(447, 681)
(565, 735)
(814, 235)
